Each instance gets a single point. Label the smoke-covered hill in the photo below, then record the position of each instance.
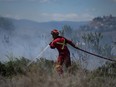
(28, 38)
(105, 25)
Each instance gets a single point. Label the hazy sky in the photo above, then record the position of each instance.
(57, 10)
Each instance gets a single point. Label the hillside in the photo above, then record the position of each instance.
(105, 25)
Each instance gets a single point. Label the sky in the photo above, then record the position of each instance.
(57, 10)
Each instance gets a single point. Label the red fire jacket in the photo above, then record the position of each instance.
(61, 44)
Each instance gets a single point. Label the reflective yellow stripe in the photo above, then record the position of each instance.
(63, 44)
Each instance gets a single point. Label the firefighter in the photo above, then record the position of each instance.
(60, 43)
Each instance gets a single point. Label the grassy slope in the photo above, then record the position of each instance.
(42, 74)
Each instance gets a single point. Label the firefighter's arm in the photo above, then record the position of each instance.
(51, 44)
(71, 43)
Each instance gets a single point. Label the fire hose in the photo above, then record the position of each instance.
(96, 55)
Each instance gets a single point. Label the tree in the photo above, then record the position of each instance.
(93, 40)
(66, 31)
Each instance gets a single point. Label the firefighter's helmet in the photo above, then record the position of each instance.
(55, 31)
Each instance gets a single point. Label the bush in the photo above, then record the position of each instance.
(13, 67)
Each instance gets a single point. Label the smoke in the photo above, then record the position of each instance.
(26, 43)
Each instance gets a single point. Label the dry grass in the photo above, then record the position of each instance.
(37, 77)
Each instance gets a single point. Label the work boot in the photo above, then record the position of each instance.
(59, 69)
